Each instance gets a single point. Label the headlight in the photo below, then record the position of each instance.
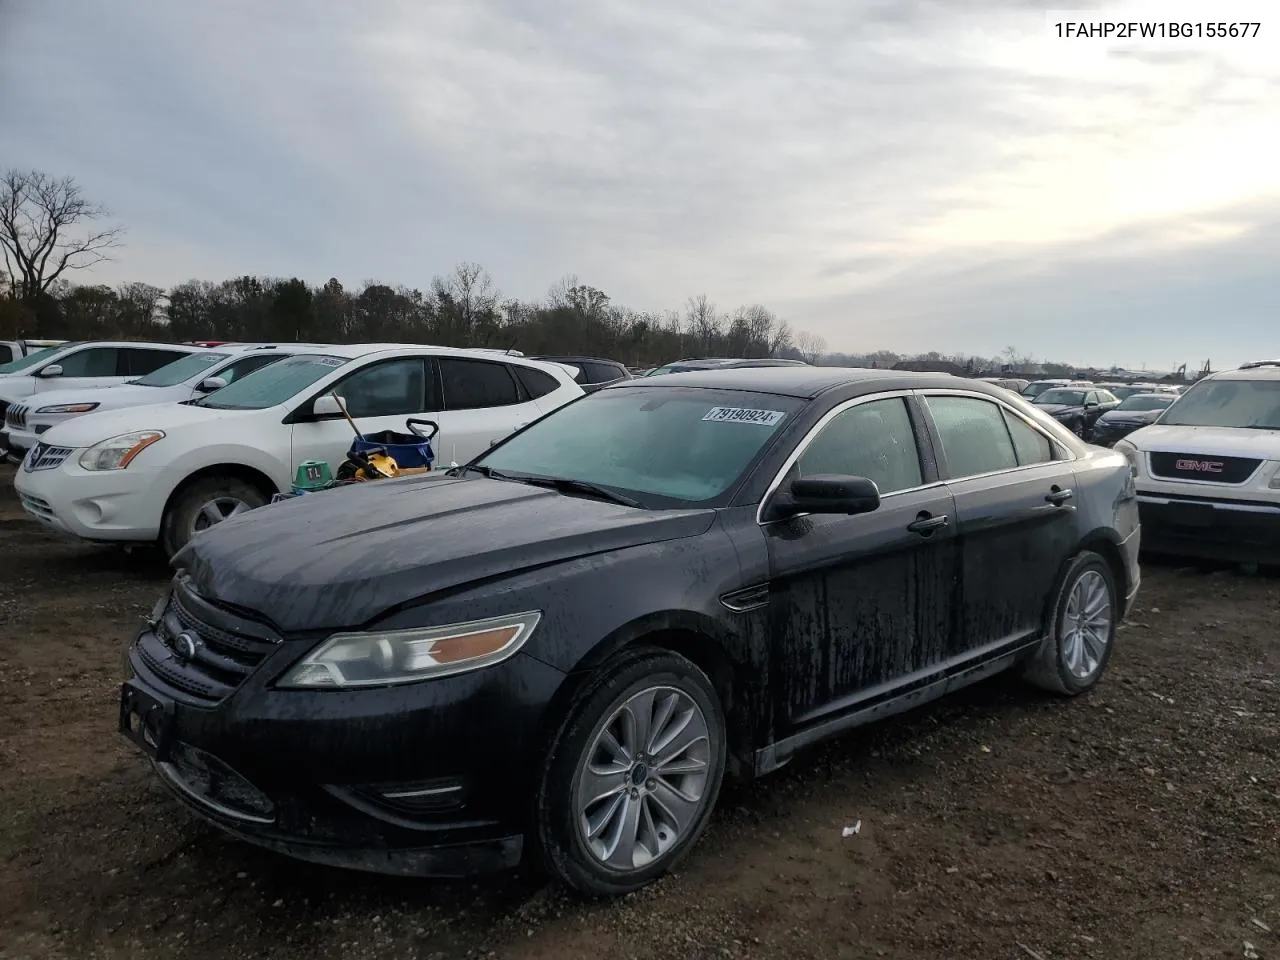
(116, 453)
(1130, 453)
(404, 656)
(69, 408)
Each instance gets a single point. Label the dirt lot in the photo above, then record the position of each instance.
(1140, 821)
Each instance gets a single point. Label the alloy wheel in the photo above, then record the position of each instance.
(1086, 625)
(217, 510)
(644, 780)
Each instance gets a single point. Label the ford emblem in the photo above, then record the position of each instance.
(184, 645)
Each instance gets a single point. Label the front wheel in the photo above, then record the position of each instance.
(204, 504)
(1082, 628)
(633, 774)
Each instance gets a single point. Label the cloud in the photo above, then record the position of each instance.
(914, 161)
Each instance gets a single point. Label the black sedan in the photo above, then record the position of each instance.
(564, 646)
(1076, 408)
(1134, 412)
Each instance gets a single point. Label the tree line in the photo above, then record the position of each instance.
(48, 230)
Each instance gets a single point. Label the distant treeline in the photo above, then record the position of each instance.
(463, 309)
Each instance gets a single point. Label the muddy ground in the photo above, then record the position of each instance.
(1142, 820)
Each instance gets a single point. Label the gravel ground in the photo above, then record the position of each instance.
(1142, 820)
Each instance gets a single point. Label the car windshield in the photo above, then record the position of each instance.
(273, 384)
(1070, 397)
(171, 374)
(31, 359)
(663, 446)
(1227, 403)
(1146, 402)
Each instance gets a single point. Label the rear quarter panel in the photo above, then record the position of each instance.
(1107, 506)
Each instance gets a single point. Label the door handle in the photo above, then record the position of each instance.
(924, 524)
(1057, 496)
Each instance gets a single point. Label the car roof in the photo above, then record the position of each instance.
(1260, 370)
(804, 382)
(557, 359)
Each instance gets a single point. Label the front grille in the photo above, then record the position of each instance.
(15, 418)
(44, 457)
(201, 652)
(1202, 467)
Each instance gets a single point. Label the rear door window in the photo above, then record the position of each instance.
(139, 361)
(476, 384)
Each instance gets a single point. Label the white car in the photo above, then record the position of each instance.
(162, 473)
(1208, 470)
(190, 377)
(96, 363)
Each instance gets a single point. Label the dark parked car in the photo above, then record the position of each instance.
(1134, 412)
(722, 363)
(592, 373)
(1076, 408)
(563, 646)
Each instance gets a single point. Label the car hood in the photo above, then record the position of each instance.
(94, 427)
(341, 558)
(110, 397)
(1128, 416)
(1209, 441)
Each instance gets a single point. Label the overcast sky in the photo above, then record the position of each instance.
(896, 175)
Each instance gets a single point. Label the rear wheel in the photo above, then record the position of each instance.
(1082, 628)
(204, 504)
(633, 774)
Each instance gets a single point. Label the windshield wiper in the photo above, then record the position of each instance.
(563, 484)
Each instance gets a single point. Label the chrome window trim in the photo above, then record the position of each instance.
(924, 394)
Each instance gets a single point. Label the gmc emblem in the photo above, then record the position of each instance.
(1199, 466)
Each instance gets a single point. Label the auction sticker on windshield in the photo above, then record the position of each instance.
(765, 418)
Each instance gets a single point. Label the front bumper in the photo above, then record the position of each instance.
(425, 779)
(1210, 529)
(108, 506)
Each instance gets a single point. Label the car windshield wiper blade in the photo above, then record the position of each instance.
(563, 484)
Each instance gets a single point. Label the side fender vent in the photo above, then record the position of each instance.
(747, 599)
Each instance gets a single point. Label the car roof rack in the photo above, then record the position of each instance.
(1253, 365)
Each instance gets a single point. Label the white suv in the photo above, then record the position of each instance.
(164, 472)
(98, 363)
(186, 379)
(1208, 471)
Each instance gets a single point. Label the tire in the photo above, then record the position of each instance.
(627, 794)
(183, 518)
(1071, 661)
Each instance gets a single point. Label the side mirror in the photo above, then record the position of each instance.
(827, 493)
(1090, 404)
(326, 406)
(52, 370)
(210, 384)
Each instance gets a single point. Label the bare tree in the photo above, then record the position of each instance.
(47, 227)
(704, 322)
(811, 347)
